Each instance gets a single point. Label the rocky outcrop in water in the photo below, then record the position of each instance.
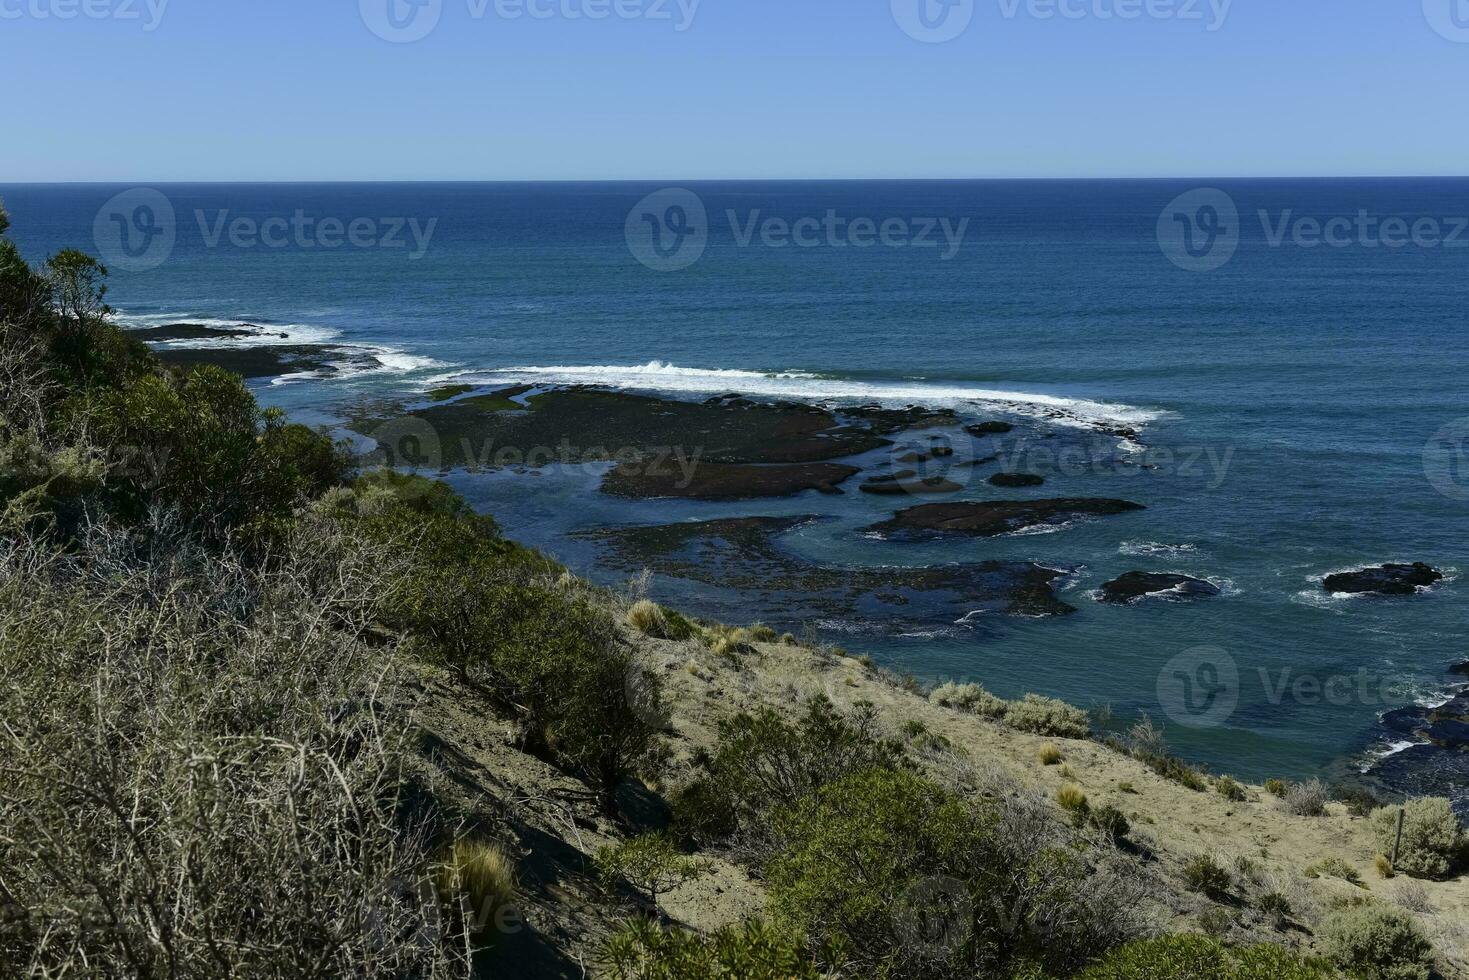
(1395, 580)
(1016, 480)
(1133, 586)
(985, 519)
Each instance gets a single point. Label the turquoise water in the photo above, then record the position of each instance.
(1288, 402)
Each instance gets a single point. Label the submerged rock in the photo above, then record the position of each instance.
(1446, 726)
(1384, 580)
(988, 518)
(1016, 480)
(885, 487)
(1133, 586)
(989, 429)
(725, 481)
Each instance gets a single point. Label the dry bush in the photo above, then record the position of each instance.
(1307, 799)
(200, 774)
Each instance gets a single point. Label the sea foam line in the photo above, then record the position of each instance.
(659, 376)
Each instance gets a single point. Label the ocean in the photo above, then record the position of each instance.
(1277, 369)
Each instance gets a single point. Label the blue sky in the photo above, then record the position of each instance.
(302, 89)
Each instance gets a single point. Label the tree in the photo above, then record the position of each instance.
(651, 864)
(77, 286)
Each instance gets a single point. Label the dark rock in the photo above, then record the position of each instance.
(725, 481)
(1389, 579)
(989, 429)
(886, 421)
(896, 488)
(1135, 585)
(1448, 734)
(1016, 480)
(1462, 669)
(893, 477)
(989, 518)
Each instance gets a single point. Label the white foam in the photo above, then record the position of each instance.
(659, 376)
(1147, 549)
(261, 334)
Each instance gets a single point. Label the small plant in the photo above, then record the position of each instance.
(1432, 841)
(1230, 789)
(913, 728)
(642, 950)
(652, 864)
(653, 620)
(1412, 896)
(1191, 957)
(1359, 800)
(1216, 922)
(789, 640)
(1334, 867)
(1377, 942)
(1049, 755)
(1071, 798)
(1276, 787)
(477, 882)
(1276, 907)
(1127, 787)
(760, 633)
(1307, 799)
(1111, 822)
(1208, 877)
(1384, 866)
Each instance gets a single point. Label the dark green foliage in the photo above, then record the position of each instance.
(488, 609)
(1111, 822)
(652, 864)
(1174, 769)
(890, 875)
(764, 763)
(201, 444)
(1360, 801)
(642, 950)
(25, 297)
(1208, 877)
(1184, 957)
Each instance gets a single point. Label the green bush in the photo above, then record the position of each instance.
(1433, 842)
(1048, 716)
(202, 445)
(1186, 957)
(1377, 942)
(889, 875)
(1230, 789)
(642, 950)
(969, 697)
(764, 763)
(652, 864)
(1208, 877)
(1111, 822)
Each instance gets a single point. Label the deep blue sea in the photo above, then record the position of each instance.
(1296, 405)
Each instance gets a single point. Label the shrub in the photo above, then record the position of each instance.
(1359, 800)
(1208, 877)
(1049, 755)
(1432, 838)
(1230, 789)
(642, 950)
(196, 755)
(1377, 942)
(1071, 798)
(760, 633)
(1306, 799)
(1383, 866)
(1334, 867)
(1185, 957)
(888, 874)
(1175, 770)
(1111, 822)
(969, 697)
(1276, 787)
(202, 445)
(651, 864)
(1276, 906)
(653, 620)
(477, 882)
(765, 763)
(1047, 716)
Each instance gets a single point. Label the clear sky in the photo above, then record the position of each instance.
(304, 89)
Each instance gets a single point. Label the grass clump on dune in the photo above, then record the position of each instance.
(477, 883)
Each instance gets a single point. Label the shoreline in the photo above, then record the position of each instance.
(464, 403)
